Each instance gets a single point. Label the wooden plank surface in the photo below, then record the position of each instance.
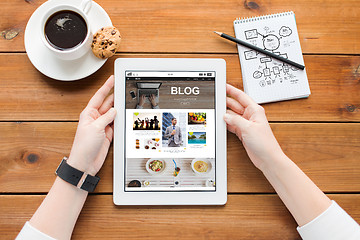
(243, 217)
(187, 26)
(321, 134)
(26, 94)
(328, 153)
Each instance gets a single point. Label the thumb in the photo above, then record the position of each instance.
(106, 118)
(235, 120)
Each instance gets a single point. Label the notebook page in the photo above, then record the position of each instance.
(266, 79)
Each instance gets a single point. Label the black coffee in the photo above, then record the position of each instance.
(65, 30)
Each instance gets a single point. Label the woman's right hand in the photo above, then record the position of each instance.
(248, 121)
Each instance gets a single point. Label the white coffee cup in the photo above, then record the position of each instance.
(81, 49)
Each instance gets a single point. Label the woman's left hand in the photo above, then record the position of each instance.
(94, 132)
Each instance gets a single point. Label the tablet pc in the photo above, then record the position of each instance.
(169, 132)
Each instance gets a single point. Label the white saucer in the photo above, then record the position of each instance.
(46, 62)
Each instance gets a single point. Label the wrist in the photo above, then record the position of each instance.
(80, 164)
(273, 162)
(60, 183)
(80, 179)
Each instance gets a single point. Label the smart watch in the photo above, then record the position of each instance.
(76, 177)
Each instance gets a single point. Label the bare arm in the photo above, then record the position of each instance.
(248, 121)
(59, 211)
(300, 195)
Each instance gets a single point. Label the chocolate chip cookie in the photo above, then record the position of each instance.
(105, 42)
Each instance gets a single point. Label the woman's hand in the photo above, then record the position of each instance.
(248, 121)
(94, 132)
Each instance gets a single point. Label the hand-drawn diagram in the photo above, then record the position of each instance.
(270, 71)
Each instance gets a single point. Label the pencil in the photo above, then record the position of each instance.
(223, 35)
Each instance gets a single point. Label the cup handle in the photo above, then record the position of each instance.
(86, 6)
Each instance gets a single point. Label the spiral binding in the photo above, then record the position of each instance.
(263, 17)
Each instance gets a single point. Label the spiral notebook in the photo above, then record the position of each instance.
(266, 79)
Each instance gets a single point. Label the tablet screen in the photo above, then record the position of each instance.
(169, 131)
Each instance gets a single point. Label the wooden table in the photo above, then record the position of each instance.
(38, 118)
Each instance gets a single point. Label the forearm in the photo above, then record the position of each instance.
(59, 211)
(301, 196)
(57, 214)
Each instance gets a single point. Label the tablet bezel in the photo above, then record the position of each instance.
(217, 197)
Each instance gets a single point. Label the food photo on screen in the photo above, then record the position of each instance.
(170, 174)
(196, 118)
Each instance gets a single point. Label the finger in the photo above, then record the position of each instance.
(234, 105)
(106, 118)
(229, 111)
(97, 100)
(107, 104)
(109, 132)
(235, 120)
(230, 128)
(112, 126)
(239, 95)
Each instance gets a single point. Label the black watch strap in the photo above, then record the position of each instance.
(76, 177)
